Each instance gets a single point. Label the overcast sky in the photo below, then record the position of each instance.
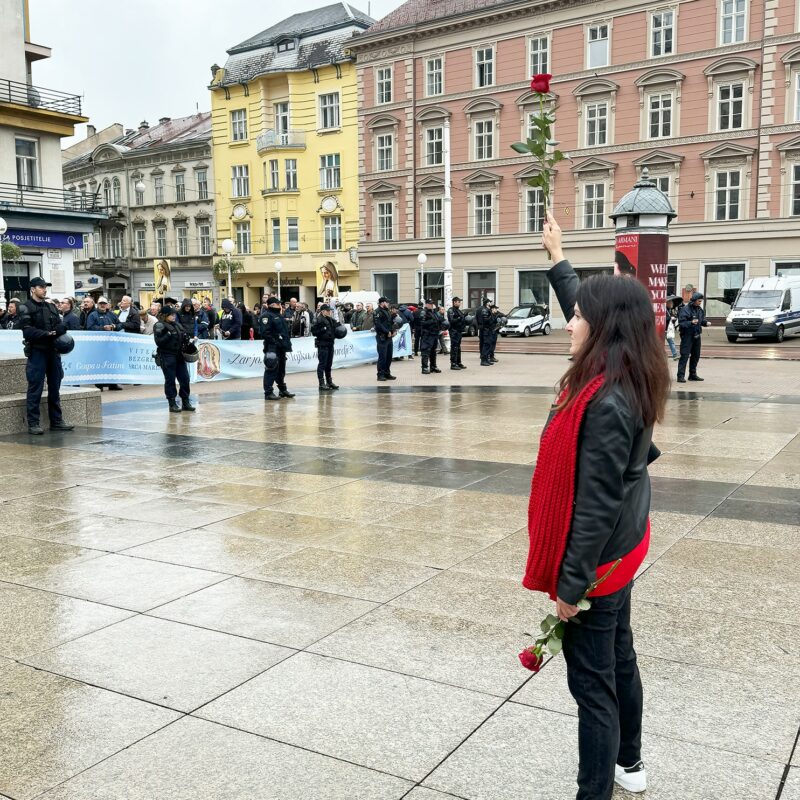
(150, 58)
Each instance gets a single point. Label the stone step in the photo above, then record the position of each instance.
(79, 406)
(12, 375)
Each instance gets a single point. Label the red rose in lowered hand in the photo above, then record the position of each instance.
(531, 660)
(541, 83)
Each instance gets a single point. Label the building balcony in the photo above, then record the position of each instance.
(49, 201)
(23, 94)
(276, 140)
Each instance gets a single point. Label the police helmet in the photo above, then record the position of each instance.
(271, 360)
(64, 344)
(340, 331)
(190, 354)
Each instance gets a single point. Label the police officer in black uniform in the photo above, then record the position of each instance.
(384, 332)
(431, 327)
(277, 343)
(323, 329)
(171, 338)
(496, 322)
(41, 325)
(484, 322)
(458, 324)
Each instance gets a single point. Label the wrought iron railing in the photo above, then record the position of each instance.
(272, 139)
(48, 199)
(36, 97)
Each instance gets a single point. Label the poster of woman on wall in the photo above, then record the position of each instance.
(161, 273)
(330, 281)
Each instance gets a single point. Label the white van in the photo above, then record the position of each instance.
(766, 308)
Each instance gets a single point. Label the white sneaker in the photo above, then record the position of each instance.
(634, 778)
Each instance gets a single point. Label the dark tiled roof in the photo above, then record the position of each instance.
(415, 12)
(306, 24)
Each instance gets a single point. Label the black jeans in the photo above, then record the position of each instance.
(324, 362)
(44, 364)
(603, 678)
(690, 351)
(385, 350)
(455, 347)
(174, 368)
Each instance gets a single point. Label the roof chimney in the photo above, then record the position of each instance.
(128, 131)
(162, 120)
(90, 131)
(143, 126)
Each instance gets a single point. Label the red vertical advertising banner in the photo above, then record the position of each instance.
(644, 255)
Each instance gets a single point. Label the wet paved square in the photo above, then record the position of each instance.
(323, 599)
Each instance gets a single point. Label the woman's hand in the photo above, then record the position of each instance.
(565, 610)
(551, 238)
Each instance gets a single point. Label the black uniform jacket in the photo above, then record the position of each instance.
(169, 337)
(323, 329)
(612, 487)
(274, 332)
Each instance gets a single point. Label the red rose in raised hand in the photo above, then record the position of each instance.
(531, 660)
(541, 83)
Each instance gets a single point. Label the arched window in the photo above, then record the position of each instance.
(107, 196)
(115, 243)
(116, 192)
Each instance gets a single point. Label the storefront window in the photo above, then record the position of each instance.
(481, 285)
(385, 284)
(534, 287)
(433, 287)
(723, 282)
(787, 269)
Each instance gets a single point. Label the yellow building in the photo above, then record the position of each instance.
(285, 148)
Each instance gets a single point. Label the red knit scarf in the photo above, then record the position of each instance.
(553, 492)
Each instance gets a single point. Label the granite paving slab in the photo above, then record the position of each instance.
(378, 719)
(197, 760)
(163, 662)
(52, 728)
(301, 529)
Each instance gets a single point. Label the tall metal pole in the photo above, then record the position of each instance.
(448, 219)
(230, 287)
(3, 229)
(279, 286)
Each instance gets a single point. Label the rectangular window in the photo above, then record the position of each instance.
(484, 139)
(386, 285)
(597, 53)
(596, 124)
(180, 187)
(484, 66)
(383, 84)
(660, 116)
(205, 240)
(329, 172)
(282, 122)
(27, 151)
(480, 286)
(274, 178)
(663, 182)
(434, 77)
(182, 235)
(539, 52)
(329, 110)
(728, 188)
(795, 191)
(434, 147)
(723, 282)
(161, 242)
(114, 244)
(158, 188)
(239, 125)
(534, 208)
(242, 237)
(594, 205)
(332, 233)
(384, 146)
(276, 235)
(293, 234)
(483, 214)
(534, 287)
(662, 33)
(141, 243)
(385, 222)
(433, 217)
(291, 174)
(730, 106)
(240, 181)
(732, 22)
(202, 184)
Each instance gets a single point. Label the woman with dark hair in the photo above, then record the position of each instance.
(588, 518)
(623, 264)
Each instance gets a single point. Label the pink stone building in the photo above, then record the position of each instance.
(704, 93)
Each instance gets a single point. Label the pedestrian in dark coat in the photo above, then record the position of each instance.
(230, 323)
(691, 321)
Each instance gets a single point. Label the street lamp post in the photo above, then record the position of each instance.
(3, 229)
(421, 260)
(278, 268)
(227, 248)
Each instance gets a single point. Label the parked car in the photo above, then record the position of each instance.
(525, 320)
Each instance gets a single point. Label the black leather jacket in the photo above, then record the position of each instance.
(457, 319)
(37, 320)
(323, 329)
(612, 486)
(169, 337)
(274, 331)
